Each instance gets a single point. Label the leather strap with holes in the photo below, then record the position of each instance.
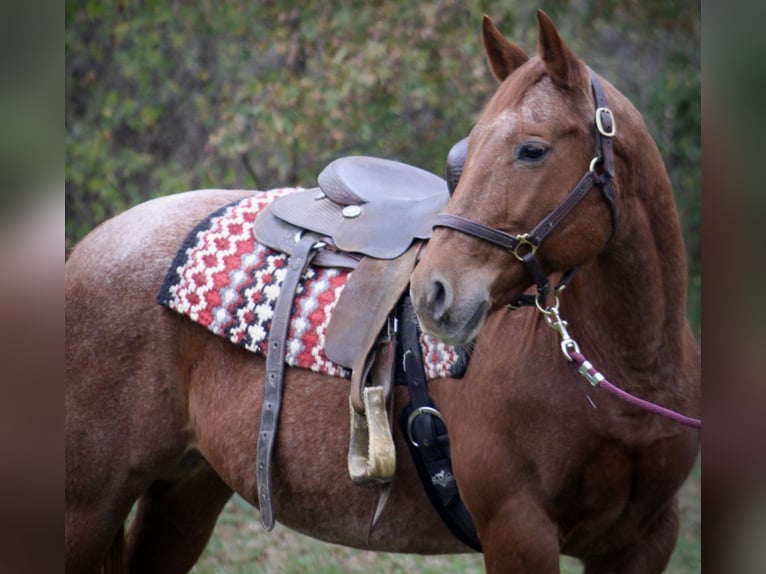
(275, 369)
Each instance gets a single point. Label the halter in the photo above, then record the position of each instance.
(523, 246)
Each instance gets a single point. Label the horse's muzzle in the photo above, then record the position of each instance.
(446, 314)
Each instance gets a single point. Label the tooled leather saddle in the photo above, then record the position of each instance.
(369, 215)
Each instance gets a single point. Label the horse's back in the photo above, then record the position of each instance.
(147, 234)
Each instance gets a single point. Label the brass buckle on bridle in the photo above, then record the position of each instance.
(523, 240)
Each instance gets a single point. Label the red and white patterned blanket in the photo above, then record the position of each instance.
(224, 280)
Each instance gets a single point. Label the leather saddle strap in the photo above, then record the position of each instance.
(275, 368)
(426, 434)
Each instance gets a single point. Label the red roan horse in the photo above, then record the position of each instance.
(160, 411)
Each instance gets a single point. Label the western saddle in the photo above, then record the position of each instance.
(368, 215)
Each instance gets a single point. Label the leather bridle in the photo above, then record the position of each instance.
(523, 246)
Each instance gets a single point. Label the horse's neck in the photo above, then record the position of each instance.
(635, 293)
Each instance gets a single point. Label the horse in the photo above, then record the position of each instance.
(163, 415)
(596, 483)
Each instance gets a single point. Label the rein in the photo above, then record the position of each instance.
(523, 246)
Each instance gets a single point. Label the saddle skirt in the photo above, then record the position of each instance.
(227, 282)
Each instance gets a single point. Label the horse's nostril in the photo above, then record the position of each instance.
(439, 300)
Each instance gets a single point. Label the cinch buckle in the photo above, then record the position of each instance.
(415, 414)
(600, 123)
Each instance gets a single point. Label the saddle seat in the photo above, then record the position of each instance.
(367, 205)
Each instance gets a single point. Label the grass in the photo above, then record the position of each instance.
(240, 546)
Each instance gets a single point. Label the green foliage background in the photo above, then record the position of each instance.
(164, 96)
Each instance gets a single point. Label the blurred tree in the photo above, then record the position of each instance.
(167, 96)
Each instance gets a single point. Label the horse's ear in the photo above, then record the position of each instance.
(503, 56)
(559, 60)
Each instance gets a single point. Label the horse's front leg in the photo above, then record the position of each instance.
(518, 537)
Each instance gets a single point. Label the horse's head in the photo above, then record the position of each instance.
(530, 147)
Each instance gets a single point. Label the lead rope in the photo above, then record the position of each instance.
(571, 351)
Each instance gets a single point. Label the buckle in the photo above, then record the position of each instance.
(612, 126)
(415, 414)
(522, 241)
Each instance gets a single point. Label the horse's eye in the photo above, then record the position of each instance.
(531, 151)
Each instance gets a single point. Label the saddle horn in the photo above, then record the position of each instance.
(455, 162)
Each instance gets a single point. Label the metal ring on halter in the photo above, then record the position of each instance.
(414, 414)
(593, 162)
(547, 310)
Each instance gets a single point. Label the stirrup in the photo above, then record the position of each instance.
(371, 451)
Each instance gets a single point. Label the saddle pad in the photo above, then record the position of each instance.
(224, 280)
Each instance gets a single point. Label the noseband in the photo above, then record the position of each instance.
(523, 246)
